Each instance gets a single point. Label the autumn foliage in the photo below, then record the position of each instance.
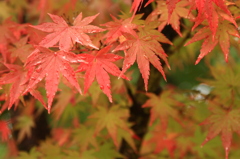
(106, 79)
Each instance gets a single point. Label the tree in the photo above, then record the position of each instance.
(79, 82)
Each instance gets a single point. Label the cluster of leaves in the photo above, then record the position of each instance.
(53, 60)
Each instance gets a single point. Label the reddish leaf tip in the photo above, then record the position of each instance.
(204, 142)
(49, 109)
(197, 61)
(226, 57)
(226, 152)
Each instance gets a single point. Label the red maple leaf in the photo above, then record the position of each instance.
(97, 66)
(18, 77)
(137, 4)
(145, 48)
(49, 64)
(158, 140)
(222, 37)
(211, 10)
(67, 35)
(7, 36)
(21, 49)
(223, 122)
(61, 136)
(171, 4)
(118, 27)
(4, 130)
(170, 13)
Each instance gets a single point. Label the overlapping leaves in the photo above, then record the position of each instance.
(145, 49)
(67, 35)
(50, 64)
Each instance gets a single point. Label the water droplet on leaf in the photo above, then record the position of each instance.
(128, 65)
(39, 62)
(101, 87)
(117, 57)
(38, 70)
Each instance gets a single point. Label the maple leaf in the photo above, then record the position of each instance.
(43, 6)
(112, 119)
(6, 36)
(161, 140)
(223, 122)
(63, 99)
(161, 108)
(21, 49)
(137, 4)
(128, 137)
(50, 150)
(107, 151)
(224, 81)
(73, 154)
(61, 136)
(70, 113)
(171, 4)
(97, 66)
(18, 78)
(24, 124)
(145, 48)
(49, 64)
(4, 130)
(118, 27)
(84, 136)
(210, 10)
(222, 37)
(32, 154)
(67, 35)
(171, 12)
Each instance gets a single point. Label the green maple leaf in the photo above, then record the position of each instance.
(112, 119)
(224, 81)
(223, 122)
(50, 150)
(209, 150)
(24, 125)
(63, 99)
(123, 134)
(161, 107)
(84, 137)
(70, 113)
(33, 154)
(107, 151)
(76, 155)
(88, 155)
